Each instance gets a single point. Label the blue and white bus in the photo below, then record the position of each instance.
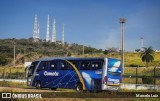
(75, 73)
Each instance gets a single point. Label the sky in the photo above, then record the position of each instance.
(93, 23)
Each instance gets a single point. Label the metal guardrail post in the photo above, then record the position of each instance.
(136, 75)
(154, 77)
(3, 73)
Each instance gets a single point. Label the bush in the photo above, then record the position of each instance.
(133, 65)
(147, 79)
(3, 60)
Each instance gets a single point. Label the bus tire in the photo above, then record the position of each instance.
(38, 85)
(79, 87)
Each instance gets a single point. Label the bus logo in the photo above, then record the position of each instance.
(51, 73)
(113, 80)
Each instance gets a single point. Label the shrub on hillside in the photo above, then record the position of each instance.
(3, 60)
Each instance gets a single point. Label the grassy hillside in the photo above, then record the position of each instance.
(27, 50)
(131, 59)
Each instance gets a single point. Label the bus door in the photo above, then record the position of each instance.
(111, 75)
(41, 73)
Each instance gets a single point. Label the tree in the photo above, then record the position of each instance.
(69, 54)
(3, 60)
(106, 52)
(113, 49)
(137, 50)
(147, 55)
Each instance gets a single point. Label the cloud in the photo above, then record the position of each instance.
(111, 39)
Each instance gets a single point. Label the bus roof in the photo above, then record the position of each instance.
(68, 58)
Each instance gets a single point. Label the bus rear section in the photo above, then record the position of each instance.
(112, 74)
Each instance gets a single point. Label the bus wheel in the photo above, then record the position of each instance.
(79, 87)
(38, 85)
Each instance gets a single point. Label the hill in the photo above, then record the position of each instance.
(27, 50)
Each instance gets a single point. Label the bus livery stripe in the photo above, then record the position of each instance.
(78, 73)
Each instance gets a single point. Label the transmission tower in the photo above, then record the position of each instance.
(54, 31)
(36, 30)
(47, 33)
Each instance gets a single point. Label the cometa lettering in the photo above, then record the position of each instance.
(51, 73)
(113, 80)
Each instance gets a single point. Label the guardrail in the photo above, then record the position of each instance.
(14, 80)
(140, 86)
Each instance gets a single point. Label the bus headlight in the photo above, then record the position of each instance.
(29, 79)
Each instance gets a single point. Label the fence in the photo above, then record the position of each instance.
(140, 87)
(19, 73)
(12, 73)
(134, 75)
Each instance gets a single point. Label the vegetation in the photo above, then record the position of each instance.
(147, 55)
(13, 84)
(130, 73)
(27, 50)
(147, 79)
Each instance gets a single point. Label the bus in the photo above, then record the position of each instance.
(75, 73)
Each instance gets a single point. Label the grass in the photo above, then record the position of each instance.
(23, 85)
(6, 69)
(141, 71)
(13, 84)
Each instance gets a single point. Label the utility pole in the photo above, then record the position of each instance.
(14, 54)
(122, 21)
(83, 50)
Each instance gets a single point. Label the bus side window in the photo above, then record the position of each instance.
(53, 65)
(85, 65)
(75, 63)
(96, 65)
(93, 66)
(42, 66)
(63, 65)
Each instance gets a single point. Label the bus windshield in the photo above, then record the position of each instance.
(114, 68)
(32, 68)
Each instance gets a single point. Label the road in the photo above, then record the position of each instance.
(18, 89)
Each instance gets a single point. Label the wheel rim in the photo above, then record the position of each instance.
(79, 87)
(38, 85)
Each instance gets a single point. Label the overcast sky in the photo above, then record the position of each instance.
(90, 22)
